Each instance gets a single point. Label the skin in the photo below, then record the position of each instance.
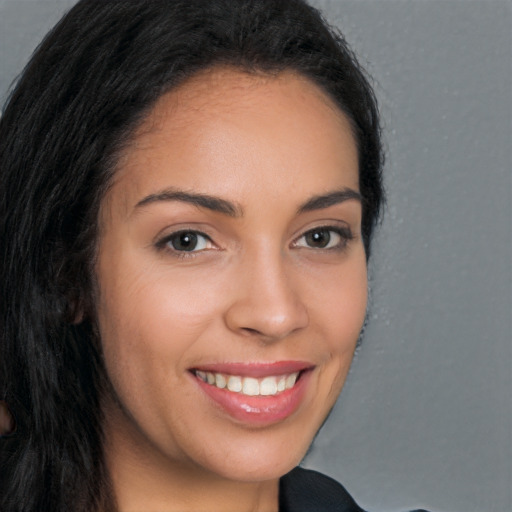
(256, 290)
(6, 420)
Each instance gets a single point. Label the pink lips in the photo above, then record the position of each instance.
(257, 410)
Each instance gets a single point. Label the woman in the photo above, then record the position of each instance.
(189, 191)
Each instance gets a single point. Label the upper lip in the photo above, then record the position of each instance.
(255, 369)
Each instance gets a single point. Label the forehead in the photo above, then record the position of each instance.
(225, 125)
(227, 91)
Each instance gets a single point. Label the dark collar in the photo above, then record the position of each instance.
(303, 490)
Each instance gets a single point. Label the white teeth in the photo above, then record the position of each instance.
(235, 384)
(220, 381)
(267, 386)
(290, 380)
(251, 387)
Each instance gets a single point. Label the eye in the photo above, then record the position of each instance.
(325, 237)
(186, 241)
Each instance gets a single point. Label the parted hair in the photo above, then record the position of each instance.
(87, 87)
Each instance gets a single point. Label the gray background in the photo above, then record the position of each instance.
(426, 415)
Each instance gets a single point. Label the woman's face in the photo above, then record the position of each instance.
(230, 254)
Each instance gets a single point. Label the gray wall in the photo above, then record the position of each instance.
(426, 415)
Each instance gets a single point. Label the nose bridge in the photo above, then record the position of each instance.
(266, 301)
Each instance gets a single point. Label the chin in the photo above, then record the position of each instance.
(253, 455)
(259, 467)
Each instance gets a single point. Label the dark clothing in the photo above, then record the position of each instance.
(303, 490)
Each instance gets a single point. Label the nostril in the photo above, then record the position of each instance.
(251, 331)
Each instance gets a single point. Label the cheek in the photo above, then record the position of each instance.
(348, 309)
(149, 326)
(338, 307)
(148, 316)
(338, 302)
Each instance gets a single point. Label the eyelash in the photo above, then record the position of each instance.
(164, 243)
(344, 233)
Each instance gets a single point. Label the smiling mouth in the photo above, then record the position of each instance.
(250, 386)
(256, 394)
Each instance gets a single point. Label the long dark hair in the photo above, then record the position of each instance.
(88, 85)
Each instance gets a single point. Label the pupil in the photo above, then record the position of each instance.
(319, 238)
(185, 242)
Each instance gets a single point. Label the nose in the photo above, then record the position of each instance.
(266, 303)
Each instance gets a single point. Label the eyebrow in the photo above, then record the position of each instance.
(213, 203)
(330, 199)
(231, 209)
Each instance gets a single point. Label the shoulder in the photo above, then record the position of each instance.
(304, 490)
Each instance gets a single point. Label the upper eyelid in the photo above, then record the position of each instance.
(338, 226)
(168, 232)
(161, 241)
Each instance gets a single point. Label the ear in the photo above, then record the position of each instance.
(76, 309)
(78, 319)
(7, 425)
(76, 312)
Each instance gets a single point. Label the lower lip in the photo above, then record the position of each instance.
(258, 410)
